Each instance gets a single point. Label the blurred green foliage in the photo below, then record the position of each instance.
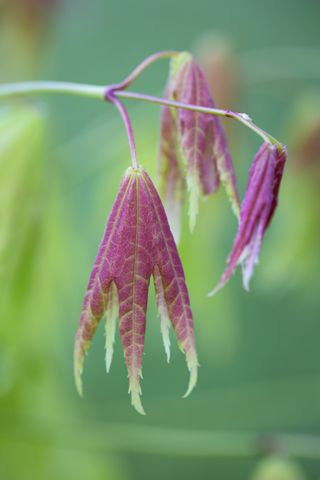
(278, 469)
(61, 161)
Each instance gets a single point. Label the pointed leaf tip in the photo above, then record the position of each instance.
(202, 140)
(163, 311)
(218, 287)
(112, 307)
(135, 392)
(78, 381)
(165, 327)
(193, 369)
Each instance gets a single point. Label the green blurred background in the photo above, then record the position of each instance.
(255, 413)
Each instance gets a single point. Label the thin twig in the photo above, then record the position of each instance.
(101, 93)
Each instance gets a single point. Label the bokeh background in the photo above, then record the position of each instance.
(255, 413)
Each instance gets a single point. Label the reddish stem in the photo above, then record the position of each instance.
(127, 123)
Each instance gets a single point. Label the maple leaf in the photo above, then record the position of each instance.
(257, 210)
(170, 168)
(197, 136)
(137, 244)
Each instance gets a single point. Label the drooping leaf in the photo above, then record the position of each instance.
(194, 139)
(203, 142)
(257, 210)
(170, 168)
(175, 290)
(137, 243)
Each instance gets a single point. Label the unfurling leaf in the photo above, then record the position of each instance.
(202, 137)
(170, 169)
(137, 243)
(257, 210)
(199, 137)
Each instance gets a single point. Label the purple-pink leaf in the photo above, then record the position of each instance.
(257, 210)
(171, 172)
(203, 142)
(196, 137)
(138, 243)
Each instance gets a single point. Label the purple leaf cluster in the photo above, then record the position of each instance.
(193, 144)
(171, 169)
(137, 244)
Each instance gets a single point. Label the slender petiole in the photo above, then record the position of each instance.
(240, 117)
(103, 93)
(127, 123)
(142, 66)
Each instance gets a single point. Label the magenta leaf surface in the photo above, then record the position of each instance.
(170, 168)
(202, 138)
(137, 243)
(257, 210)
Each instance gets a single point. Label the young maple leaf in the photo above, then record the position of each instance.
(257, 210)
(171, 170)
(137, 243)
(199, 138)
